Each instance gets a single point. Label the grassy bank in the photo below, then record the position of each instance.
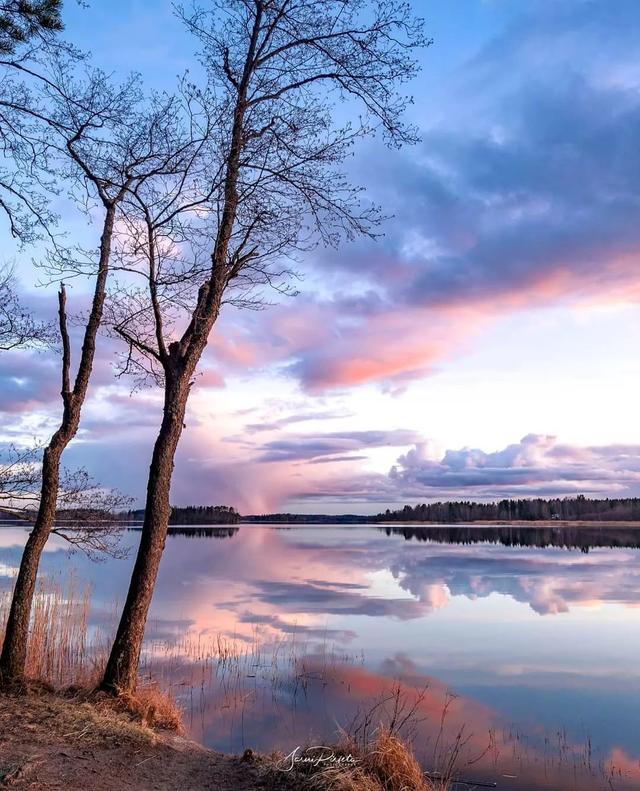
(54, 741)
(57, 732)
(50, 740)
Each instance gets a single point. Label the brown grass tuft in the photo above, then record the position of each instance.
(385, 764)
(391, 761)
(149, 705)
(60, 656)
(336, 778)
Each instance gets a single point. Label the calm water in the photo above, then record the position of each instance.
(527, 639)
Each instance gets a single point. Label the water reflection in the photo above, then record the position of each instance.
(200, 532)
(583, 538)
(535, 630)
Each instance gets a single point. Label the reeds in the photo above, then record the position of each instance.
(65, 652)
(386, 763)
(193, 676)
(58, 653)
(61, 655)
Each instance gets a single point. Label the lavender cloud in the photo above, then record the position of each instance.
(305, 447)
(536, 465)
(526, 197)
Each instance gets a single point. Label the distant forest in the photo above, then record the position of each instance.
(311, 519)
(567, 508)
(193, 515)
(451, 512)
(204, 515)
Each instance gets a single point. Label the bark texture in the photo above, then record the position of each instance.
(179, 363)
(14, 650)
(122, 667)
(273, 185)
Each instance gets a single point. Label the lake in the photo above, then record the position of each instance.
(512, 651)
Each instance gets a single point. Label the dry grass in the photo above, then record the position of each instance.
(65, 655)
(58, 653)
(74, 714)
(391, 761)
(149, 705)
(385, 764)
(61, 655)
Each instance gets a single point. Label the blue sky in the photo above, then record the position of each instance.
(500, 305)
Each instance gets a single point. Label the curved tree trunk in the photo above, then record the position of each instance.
(14, 649)
(121, 671)
(179, 364)
(14, 652)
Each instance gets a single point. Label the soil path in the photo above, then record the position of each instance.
(48, 742)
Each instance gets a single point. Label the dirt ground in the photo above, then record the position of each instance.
(48, 742)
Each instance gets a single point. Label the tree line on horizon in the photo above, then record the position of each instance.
(529, 510)
(533, 509)
(191, 515)
(441, 512)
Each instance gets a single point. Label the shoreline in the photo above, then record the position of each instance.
(519, 523)
(469, 523)
(8, 520)
(52, 740)
(59, 740)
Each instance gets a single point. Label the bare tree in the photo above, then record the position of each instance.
(106, 146)
(86, 513)
(278, 70)
(86, 516)
(19, 476)
(18, 327)
(27, 179)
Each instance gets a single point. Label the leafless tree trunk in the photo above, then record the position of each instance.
(108, 142)
(14, 649)
(125, 654)
(271, 179)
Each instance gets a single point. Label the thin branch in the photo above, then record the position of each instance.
(66, 345)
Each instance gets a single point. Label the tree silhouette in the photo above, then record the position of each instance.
(277, 74)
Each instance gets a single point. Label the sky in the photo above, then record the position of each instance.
(484, 347)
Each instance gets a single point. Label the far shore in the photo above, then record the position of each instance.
(517, 523)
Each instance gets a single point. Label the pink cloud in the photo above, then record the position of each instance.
(347, 342)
